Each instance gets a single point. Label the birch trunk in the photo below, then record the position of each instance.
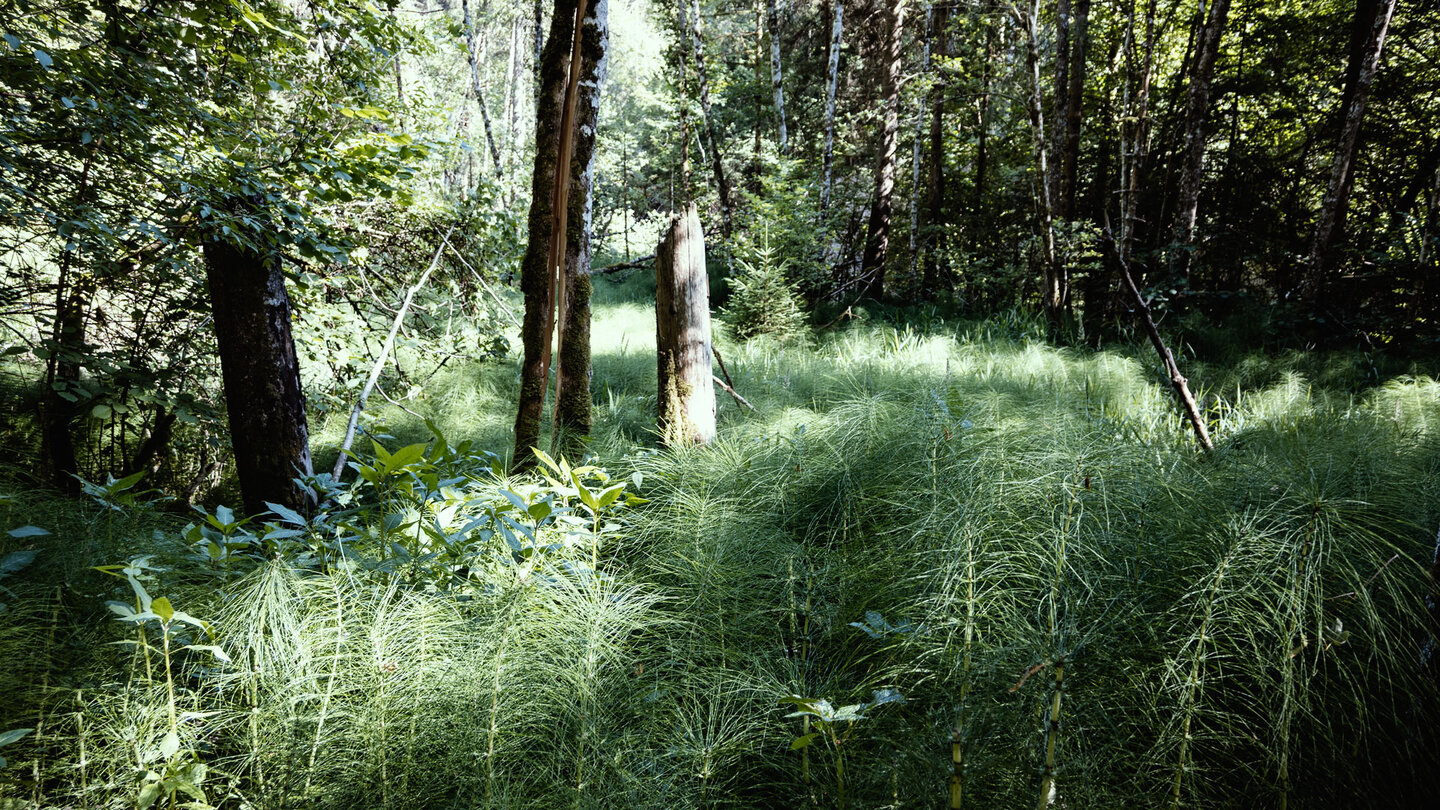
(682, 334)
(722, 183)
(475, 84)
(777, 76)
(573, 411)
(877, 239)
(1330, 227)
(1197, 110)
(833, 79)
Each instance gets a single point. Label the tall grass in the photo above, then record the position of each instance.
(1078, 609)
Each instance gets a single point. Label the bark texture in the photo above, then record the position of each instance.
(877, 234)
(682, 334)
(535, 270)
(1364, 65)
(573, 410)
(251, 310)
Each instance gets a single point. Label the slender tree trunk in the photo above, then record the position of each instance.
(682, 334)
(684, 18)
(537, 272)
(935, 193)
(573, 411)
(261, 373)
(877, 235)
(918, 156)
(1074, 119)
(1055, 296)
(1060, 95)
(712, 138)
(1134, 149)
(475, 84)
(837, 10)
(1364, 64)
(512, 96)
(982, 126)
(776, 76)
(1197, 110)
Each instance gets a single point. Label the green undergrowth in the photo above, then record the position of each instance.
(935, 562)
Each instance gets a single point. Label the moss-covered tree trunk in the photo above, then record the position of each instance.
(682, 334)
(573, 412)
(535, 270)
(261, 373)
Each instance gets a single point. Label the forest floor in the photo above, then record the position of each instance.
(933, 557)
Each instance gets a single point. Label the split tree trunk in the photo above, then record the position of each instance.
(1364, 64)
(837, 11)
(261, 373)
(1197, 110)
(573, 411)
(536, 271)
(722, 182)
(682, 334)
(776, 75)
(877, 238)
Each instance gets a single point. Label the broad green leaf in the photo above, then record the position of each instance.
(28, 531)
(148, 795)
(16, 561)
(44, 59)
(161, 607)
(804, 742)
(13, 735)
(286, 513)
(170, 745)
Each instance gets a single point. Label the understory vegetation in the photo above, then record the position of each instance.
(935, 557)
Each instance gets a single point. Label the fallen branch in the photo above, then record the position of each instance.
(731, 391)
(615, 268)
(384, 357)
(1177, 380)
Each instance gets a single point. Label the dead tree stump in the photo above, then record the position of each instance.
(682, 334)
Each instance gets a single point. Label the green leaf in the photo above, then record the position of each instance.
(44, 59)
(804, 742)
(13, 735)
(148, 795)
(161, 607)
(28, 531)
(286, 513)
(170, 745)
(16, 561)
(101, 411)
